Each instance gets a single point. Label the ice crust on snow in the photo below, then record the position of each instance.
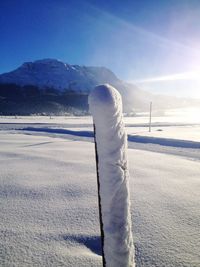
(106, 107)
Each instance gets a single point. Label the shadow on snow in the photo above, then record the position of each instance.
(60, 131)
(91, 242)
(131, 138)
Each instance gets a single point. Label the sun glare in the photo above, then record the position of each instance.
(190, 81)
(192, 75)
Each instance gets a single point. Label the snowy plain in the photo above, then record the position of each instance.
(48, 191)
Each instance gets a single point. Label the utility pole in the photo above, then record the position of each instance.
(150, 115)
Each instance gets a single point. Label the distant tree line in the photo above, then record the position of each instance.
(29, 99)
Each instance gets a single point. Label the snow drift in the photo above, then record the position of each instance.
(111, 140)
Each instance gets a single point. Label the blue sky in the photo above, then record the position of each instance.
(155, 44)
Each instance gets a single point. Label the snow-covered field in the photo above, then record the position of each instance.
(48, 192)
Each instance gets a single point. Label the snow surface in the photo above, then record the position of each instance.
(48, 193)
(106, 107)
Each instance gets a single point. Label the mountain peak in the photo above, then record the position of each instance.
(54, 73)
(44, 62)
(48, 61)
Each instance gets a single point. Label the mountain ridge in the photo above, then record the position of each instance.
(52, 86)
(59, 75)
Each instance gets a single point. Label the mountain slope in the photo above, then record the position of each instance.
(52, 81)
(51, 86)
(58, 75)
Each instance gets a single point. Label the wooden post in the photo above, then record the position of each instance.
(99, 199)
(112, 177)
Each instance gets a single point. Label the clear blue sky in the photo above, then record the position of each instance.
(155, 44)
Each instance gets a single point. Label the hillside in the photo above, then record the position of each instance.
(52, 87)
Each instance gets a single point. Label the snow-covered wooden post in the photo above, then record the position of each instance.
(112, 174)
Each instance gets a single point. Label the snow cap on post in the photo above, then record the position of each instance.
(106, 98)
(111, 142)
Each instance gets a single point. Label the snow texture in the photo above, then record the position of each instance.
(106, 107)
(48, 192)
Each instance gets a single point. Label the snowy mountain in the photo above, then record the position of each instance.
(51, 86)
(51, 76)
(55, 74)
